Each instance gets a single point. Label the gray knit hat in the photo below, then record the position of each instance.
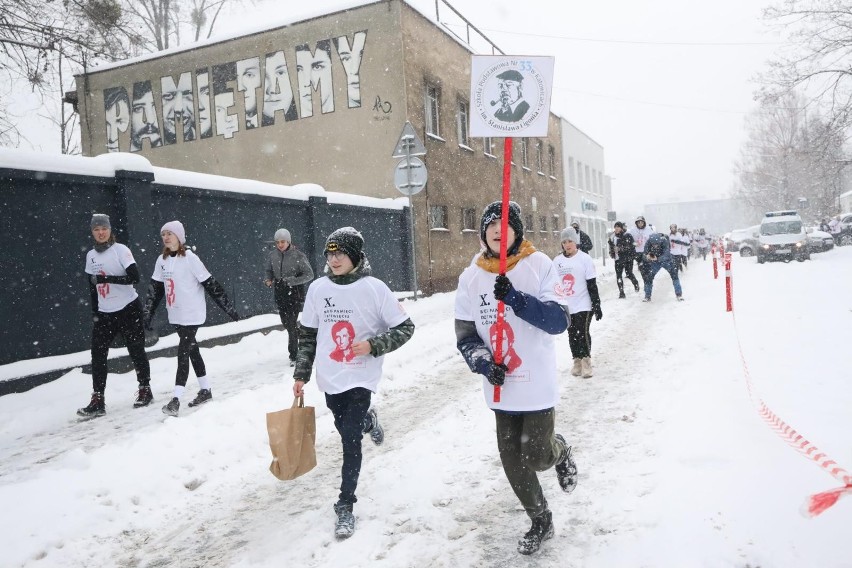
(100, 220)
(282, 235)
(569, 234)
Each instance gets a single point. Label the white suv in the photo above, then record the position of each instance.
(782, 237)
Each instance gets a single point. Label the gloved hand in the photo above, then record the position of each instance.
(146, 321)
(502, 287)
(497, 374)
(232, 313)
(596, 309)
(93, 278)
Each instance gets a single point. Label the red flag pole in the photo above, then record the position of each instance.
(504, 228)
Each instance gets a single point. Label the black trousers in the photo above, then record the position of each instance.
(289, 301)
(188, 351)
(626, 266)
(579, 337)
(127, 322)
(349, 409)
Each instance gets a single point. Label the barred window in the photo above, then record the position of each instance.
(525, 153)
(539, 157)
(437, 216)
(489, 146)
(433, 96)
(464, 140)
(468, 219)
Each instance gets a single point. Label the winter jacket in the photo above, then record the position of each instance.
(621, 247)
(658, 245)
(290, 271)
(585, 244)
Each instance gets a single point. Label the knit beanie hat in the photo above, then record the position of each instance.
(175, 227)
(100, 220)
(569, 234)
(282, 235)
(493, 211)
(349, 240)
(618, 224)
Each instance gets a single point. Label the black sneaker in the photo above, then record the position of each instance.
(646, 299)
(345, 525)
(203, 396)
(144, 397)
(172, 407)
(621, 295)
(542, 529)
(374, 429)
(96, 407)
(636, 287)
(566, 469)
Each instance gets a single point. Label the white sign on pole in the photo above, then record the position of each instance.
(510, 95)
(409, 144)
(410, 177)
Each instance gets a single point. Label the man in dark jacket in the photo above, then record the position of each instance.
(657, 256)
(585, 243)
(288, 271)
(621, 250)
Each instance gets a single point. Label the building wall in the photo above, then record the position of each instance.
(588, 190)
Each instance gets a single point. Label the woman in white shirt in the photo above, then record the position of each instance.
(181, 277)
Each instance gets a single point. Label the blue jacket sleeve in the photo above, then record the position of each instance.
(549, 317)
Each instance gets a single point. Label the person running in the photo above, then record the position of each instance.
(585, 243)
(687, 238)
(529, 390)
(657, 256)
(181, 277)
(116, 309)
(287, 271)
(640, 233)
(622, 250)
(578, 285)
(349, 322)
(702, 243)
(678, 246)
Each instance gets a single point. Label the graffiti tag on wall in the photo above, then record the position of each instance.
(208, 107)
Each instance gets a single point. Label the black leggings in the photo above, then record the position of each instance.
(349, 409)
(188, 351)
(579, 338)
(128, 322)
(626, 266)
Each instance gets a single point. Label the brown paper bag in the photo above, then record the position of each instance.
(292, 433)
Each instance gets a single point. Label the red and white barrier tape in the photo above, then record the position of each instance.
(815, 504)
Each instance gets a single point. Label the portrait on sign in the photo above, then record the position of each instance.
(510, 95)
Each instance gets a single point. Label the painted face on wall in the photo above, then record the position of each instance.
(116, 116)
(314, 74)
(277, 90)
(143, 118)
(226, 124)
(248, 81)
(178, 106)
(205, 124)
(350, 57)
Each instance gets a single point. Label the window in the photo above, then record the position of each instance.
(572, 175)
(594, 180)
(542, 224)
(529, 227)
(489, 146)
(601, 183)
(551, 160)
(580, 184)
(469, 220)
(437, 217)
(539, 157)
(525, 157)
(462, 125)
(554, 224)
(588, 179)
(433, 96)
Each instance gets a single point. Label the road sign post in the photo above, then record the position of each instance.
(410, 178)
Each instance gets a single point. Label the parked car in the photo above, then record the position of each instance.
(845, 238)
(819, 241)
(742, 240)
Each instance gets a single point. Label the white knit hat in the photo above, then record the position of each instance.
(282, 235)
(569, 234)
(175, 227)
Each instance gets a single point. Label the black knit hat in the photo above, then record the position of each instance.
(618, 224)
(493, 211)
(349, 240)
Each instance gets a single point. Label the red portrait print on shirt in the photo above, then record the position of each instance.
(343, 334)
(103, 289)
(170, 292)
(566, 286)
(510, 356)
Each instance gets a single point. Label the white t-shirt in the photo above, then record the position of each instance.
(182, 277)
(530, 353)
(677, 249)
(701, 240)
(572, 274)
(344, 314)
(640, 237)
(112, 262)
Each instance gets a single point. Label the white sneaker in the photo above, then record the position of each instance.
(586, 366)
(577, 369)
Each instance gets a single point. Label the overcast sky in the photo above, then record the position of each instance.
(663, 85)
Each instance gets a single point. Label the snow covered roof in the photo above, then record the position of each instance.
(106, 165)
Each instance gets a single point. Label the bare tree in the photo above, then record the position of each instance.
(164, 21)
(817, 58)
(790, 159)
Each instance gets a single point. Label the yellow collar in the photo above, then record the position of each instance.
(492, 264)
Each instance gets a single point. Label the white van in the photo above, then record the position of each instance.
(782, 237)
